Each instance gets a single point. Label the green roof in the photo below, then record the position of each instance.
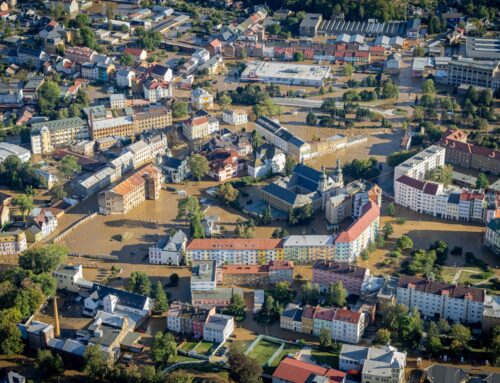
(494, 225)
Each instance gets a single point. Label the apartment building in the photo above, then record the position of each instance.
(204, 275)
(187, 319)
(218, 328)
(492, 235)
(322, 319)
(268, 159)
(245, 275)
(348, 326)
(200, 126)
(156, 90)
(201, 99)
(220, 297)
(234, 250)
(70, 278)
(281, 271)
(376, 364)
(467, 71)
(325, 273)
(169, 250)
(437, 300)
(12, 242)
(224, 164)
(235, 117)
(292, 370)
(144, 184)
(80, 55)
(49, 135)
(351, 242)
(308, 248)
(416, 166)
(117, 126)
(291, 318)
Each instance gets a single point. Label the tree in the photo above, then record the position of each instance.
(45, 282)
(267, 216)
(43, 259)
(428, 87)
(96, 364)
(404, 242)
(87, 37)
(179, 109)
(310, 293)
(433, 343)
(49, 96)
(243, 369)
(57, 192)
(366, 169)
(160, 298)
(198, 165)
(290, 164)
(443, 326)
(28, 300)
(24, 203)
(228, 194)
(325, 338)
(390, 90)
(460, 336)
(69, 166)
(163, 348)
(387, 230)
(494, 346)
(139, 283)
(298, 56)
(337, 294)
(311, 119)
(126, 59)
(441, 174)
(419, 51)
(48, 364)
(383, 336)
(225, 101)
(390, 209)
(280, 233)
(482, 181)
(257, 141)
(347, 69)
(10, 335)
(282, 292)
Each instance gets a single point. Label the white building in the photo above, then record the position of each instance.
(268, 159)
(70, 278)
(202, 55)
(235, 117)
(348, 326)
(291, 318)
(437, 300)
(203, 275)
(7, 150)
(169, 250)
(12, 242)
(199, 127)
(420, 163)
(376, 364)
(124, 78)
(117, 101)
(492, 236)
(156, 90)
(323, 318)
(218, 328)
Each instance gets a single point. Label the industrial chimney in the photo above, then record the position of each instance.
(57, 331)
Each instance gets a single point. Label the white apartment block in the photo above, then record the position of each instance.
(201, 99)
(12, 243)
(323, 318)
(348, 326)
(156, 90)
(199, 127)
(309, 248)
(436, 300)
(174, 317)
(235, 117)
(218, 328)
(416, 166)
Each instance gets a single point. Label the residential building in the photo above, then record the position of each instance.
(292, 370)
(161, 73)
(258, 300)
(70, 278)
(267, 159)
(203, 275)
(187, 319)
(482, 48)
(202, 55)
(45, 221)
(201, 99)
(348, 326)
(438, 373)
(376, 364)
(281, 271)
(169, 250)
(80, 55)
(218, 328)
(115, 126)
(220, 297)
(437, 300)
(420, 163)
(281, 137)
(235, 117)
(224, 164)
(245, 275)
(200, 126)
(308, 248)
(137, 53)
(12, 242)
(117, 101)
(235, 250)
(7, 150)
(352, 277)
(156, 90)
(152, 118)
(175, 170)
(351, 242)
(491, 313)
(308, 319)
(124, 78)
(291, 318)
(467, 71)
(310, 24)
(49, 135)
(322, 319)
(144, 184)
(492, 235)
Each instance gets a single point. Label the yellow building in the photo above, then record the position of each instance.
(47, 136)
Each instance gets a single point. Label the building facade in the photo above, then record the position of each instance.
(326, 273)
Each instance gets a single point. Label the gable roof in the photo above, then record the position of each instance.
(125, 298)
(297, 371)
(370, 213)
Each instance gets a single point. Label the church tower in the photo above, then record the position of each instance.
(338, 177)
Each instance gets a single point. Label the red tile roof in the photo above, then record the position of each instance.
(324, 313)
(233, 244)
(371, 212)
(135, 180)
(133, 51)
(280, 265)
(297, 371)
(309, 311)
(348, 316)
(245, 269)
(466, 196)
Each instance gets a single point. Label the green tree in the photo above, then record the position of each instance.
(443, 326)
(163, 348)
(57, 192)
(298, 56)
(267, 216)
(311, 119)
(433, 343)
(347, 69)
(160, 298)
(460, 336)
(82, 20)
(49, 96)
(126, 59)
(46, 282)
(69, 166)
(310, 293)
(43, 259)
(236, 306)
(387, 230)
(337, 294)
(24, 203)
(280, 233)
(225, 101)
(325, 338)
(257, 141)
(179, 109)
(282, 292)
(441, 174)
(482, 181)
(139, 283)
(243, 369)
(404, 242)
(383, 336)
(198, 166)
(290, 164)
(390, 90)
(228, 194)
(10, 336)
(48, 364)
(390, 209)
(428, 87)
(96, 364)
(494, 345)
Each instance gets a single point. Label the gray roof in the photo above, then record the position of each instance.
(125, 298)
(64, 123)
(354, 353)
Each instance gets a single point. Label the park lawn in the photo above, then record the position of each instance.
(470, 278)
(325, 357)
(448, 273)
(288, 349)
(189, 345)
(204, 347)
(263, 351)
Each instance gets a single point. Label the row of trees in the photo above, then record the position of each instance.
(140, 283)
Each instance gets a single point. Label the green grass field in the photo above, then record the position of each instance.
(204, 348)
(288, 349)
(263, 351)
(189, 345)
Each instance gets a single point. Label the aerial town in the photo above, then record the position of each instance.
(216, 191)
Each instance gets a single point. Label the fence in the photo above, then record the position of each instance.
(74, 226)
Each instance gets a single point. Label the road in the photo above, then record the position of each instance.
(316, 104)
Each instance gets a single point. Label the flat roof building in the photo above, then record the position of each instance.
(482, 48)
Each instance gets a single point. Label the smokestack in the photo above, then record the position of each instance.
(57, 331)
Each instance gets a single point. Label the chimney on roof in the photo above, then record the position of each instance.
(57, 330)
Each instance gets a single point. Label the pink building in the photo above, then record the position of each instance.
(352, 277)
